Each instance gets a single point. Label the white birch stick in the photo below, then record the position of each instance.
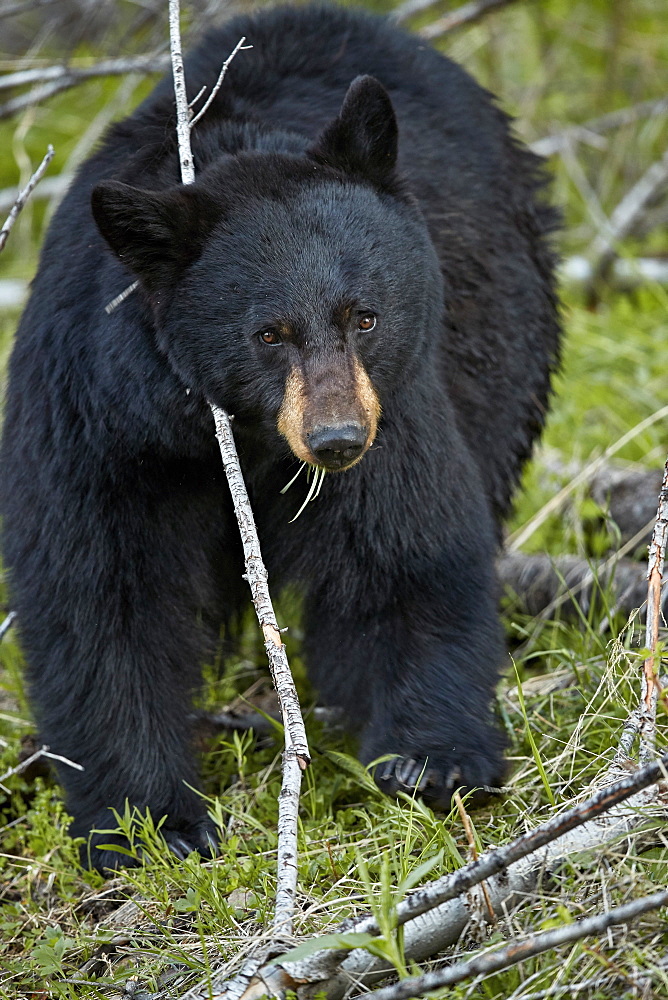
(288, 817)
(182, 109)
(256, 574)
(296, 755)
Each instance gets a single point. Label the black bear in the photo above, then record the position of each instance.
(362, 276)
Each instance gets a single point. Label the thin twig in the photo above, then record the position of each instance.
(7, 624)
(24, 195)
(650, 683)
(585, 189)
(182, 125)
(42, 752)
(518, 951)
(183, 117)
(50, 187)
(221, 76)
(121, 297)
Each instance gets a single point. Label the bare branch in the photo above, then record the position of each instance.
(183, 118)
(518, 951)
(150, 63)
(182, 126)
(604, 123)
(221, 76)
(627, 215)
(650, 681)
(296, 743)
(23, 196)
(623, 274)
(50, 187)
(410, 7)
(296, 755)
(42, 752)
(61, 78)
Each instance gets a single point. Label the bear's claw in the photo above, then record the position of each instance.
(408, 775)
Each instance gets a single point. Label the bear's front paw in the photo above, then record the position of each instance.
(436, 782)
(109, 851)
(201, 837)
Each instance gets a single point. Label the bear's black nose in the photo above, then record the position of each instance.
(338, 446)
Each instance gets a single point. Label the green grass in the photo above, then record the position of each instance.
(64, 932)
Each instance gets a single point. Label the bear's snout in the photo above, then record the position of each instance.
(336, 446)
(329, 415)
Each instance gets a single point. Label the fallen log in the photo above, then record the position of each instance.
(533, 583)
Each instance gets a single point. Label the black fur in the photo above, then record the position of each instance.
(119, 533)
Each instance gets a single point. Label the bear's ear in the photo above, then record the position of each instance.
(363, 139)
(156, 233)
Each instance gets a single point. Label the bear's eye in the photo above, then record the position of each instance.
(366, 322)
(270, 336)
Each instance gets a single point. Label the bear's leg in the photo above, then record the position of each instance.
(416, 678)
(112, 603)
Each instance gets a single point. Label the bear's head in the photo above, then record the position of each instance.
(294, 290)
